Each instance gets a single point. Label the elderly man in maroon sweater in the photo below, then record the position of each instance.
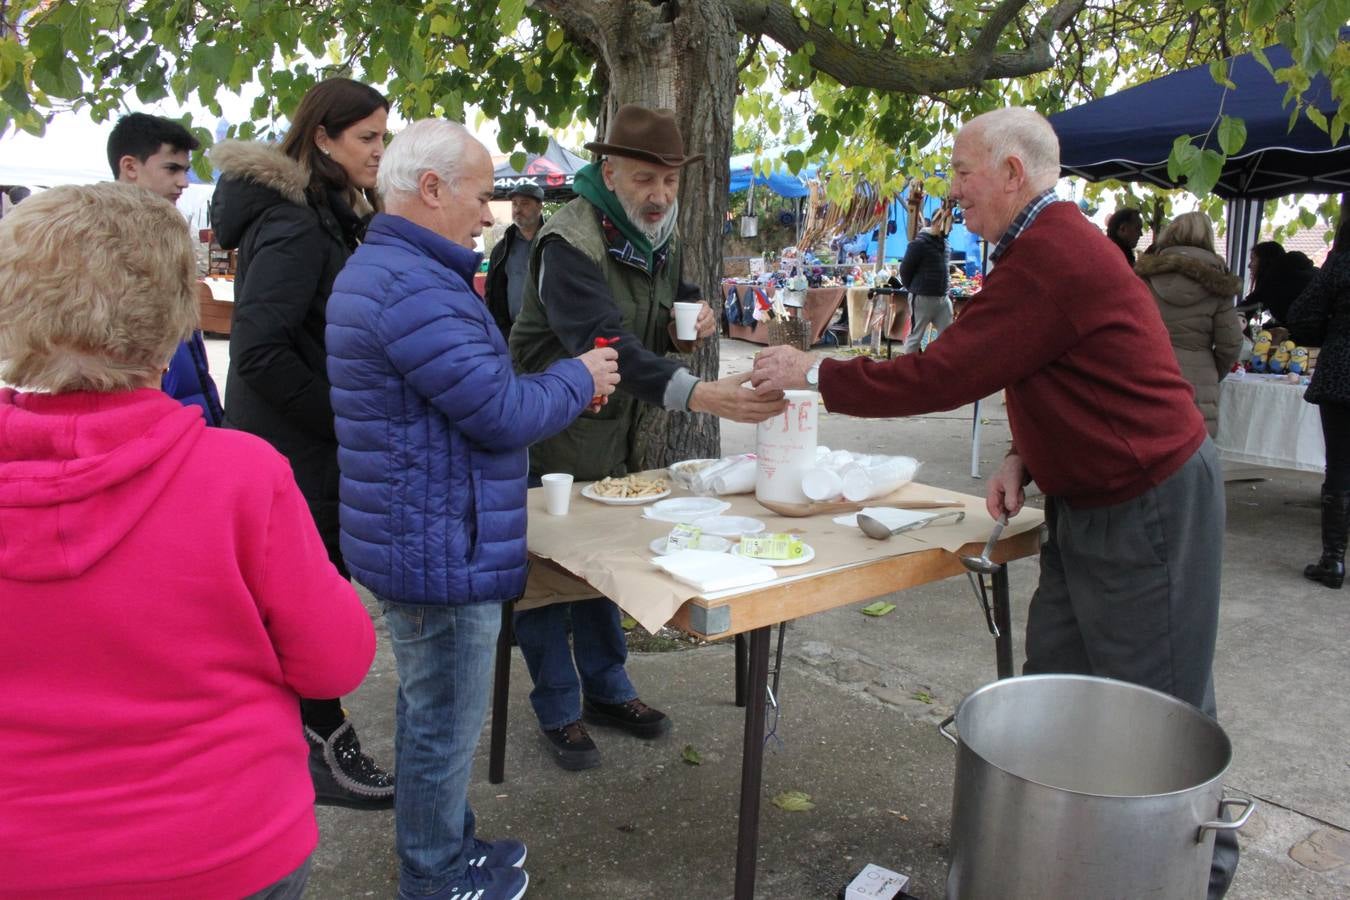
(1101, 419)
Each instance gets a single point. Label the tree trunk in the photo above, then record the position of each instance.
(682, 56)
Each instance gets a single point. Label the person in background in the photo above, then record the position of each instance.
(1277, 277)
(1320, 316)
(1195, 294)
(608, 265)
(433, 514)
(1125, 227)
(295, 213)
(509, 265)
(153, 659)
(923, 272)
(152, 152)
(1100, 416)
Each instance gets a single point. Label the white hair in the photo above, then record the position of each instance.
(1025, 134)
(427, 145)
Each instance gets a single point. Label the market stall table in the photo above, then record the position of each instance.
(606, 547)
(819, 309)
(1263, 420)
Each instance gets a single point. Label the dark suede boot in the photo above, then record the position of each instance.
(1330, 569)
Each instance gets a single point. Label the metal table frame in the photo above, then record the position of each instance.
(749, 617)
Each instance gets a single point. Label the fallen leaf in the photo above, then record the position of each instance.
(793, 801)
(691, 756)
(922, 696)
(880, 608)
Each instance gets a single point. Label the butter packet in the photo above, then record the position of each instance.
(683, 537)
(772, 546)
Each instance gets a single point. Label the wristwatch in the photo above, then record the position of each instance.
(813, 377)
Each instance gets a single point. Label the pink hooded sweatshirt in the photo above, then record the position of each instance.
(164, 600)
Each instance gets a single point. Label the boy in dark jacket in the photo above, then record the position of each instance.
(924, 272)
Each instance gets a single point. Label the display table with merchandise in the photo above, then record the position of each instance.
(1264, 421)
(818, 308)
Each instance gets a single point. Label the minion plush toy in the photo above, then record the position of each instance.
(1298, 361)
(1278, 363)
(1260, 350)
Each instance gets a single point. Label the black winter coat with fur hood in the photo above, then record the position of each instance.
(291, 247)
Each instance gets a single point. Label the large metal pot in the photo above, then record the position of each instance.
(1075, 787)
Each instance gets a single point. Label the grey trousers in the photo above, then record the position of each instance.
(935, 310)
(1131, 592)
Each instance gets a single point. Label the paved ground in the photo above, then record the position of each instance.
(855, 738)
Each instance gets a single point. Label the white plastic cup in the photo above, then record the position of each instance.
(557, 493)
(686, 320)
(822, 484)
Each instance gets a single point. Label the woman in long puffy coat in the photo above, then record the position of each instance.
(295, 212)
(1320, 316)
(1195, 295)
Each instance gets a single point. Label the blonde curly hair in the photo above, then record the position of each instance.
(97, 289)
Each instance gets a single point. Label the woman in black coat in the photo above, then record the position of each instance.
(295, 212)
(1321, 316)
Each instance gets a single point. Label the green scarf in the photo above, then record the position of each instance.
(589, 183)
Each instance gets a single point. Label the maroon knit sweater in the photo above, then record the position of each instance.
(1097, 405)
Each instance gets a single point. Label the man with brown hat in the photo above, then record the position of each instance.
(508, 266)
(607, 265)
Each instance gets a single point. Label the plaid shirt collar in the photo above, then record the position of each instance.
(623, 250)
(1022, 221)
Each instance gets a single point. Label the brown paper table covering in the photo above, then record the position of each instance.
(607, 547)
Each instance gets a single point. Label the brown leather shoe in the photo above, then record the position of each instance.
(573, 748)
(634, 717)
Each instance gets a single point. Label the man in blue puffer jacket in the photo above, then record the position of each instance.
(433, 428)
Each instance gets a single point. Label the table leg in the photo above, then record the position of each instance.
(501, 689)
(1003, 650)
(740, 670)
(752, 765)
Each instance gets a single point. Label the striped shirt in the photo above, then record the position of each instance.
(1022, 221)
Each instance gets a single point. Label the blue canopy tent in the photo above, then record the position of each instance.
(779, 179)
(1128, 136)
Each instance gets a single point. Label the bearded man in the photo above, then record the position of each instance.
(607, 265)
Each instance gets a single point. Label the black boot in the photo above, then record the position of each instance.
(343, 775)
(1330, 569)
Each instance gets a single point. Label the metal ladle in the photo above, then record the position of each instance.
(979, 566)
(875, 528)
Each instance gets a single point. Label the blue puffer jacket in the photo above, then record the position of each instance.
(433, 423)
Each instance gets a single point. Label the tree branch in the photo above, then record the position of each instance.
(860, 66)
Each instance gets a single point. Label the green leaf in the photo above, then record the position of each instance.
(795, 160)
(554, 39)
(627, 623)
(459, 57)
(1218, 70)
(518, 160)
(509, 14)
(793, 801)
(1232, 134)
(1181, 160)
(691, 756)
(880, 608)
(1206, 173)
(1316, 117)
(922, 697)
(1261, 12)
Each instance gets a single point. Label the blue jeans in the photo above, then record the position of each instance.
(598, 646)
(444, 656)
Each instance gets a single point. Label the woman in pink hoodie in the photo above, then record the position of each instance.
(164, 596)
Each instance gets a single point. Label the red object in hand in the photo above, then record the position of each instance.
(597, 401)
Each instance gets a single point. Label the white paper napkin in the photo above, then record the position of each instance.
(888, 516)
(709, 572)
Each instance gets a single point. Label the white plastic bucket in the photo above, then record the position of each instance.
(786, 449)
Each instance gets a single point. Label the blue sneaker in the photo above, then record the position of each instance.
(484, 884)
(503, 854)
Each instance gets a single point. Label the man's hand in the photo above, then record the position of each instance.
(1005, 488)
(706, 325)
(781, 368)
(727, 399)
(603, 364)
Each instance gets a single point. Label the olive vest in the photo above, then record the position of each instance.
(599, 444)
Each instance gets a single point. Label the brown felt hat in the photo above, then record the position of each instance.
(650, 135)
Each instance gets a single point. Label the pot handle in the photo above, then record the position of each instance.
(1220, 825)
(942, 730)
